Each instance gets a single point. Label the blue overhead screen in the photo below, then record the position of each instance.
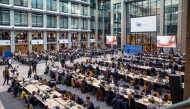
(133, 49)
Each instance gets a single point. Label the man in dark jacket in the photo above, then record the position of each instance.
(32, 99)
(78, 100)
(117, 103)
(131, 102)
(34, 63)
(6, 75)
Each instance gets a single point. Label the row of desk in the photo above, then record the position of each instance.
(51, 102)
(144, 101)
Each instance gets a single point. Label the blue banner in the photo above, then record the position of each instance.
(133, 49)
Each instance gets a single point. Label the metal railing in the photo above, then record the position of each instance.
(180, 105)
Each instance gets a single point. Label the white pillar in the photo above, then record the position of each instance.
(29, 3)
(88, 39)
(162, 17)
(112, 19)
(44, 4)
(69, 40)
(57, 5)
(12, 34)
(11, 2)
(29, 41)
(123, 24)
(57, 40)
(96, 26)
(45, 40)
(29, 19)
(11, 17)
(69, 7)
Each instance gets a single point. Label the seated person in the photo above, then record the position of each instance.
(32, 100)
(151, 105)
(36, 77)
(173, 71)
(40, 80)
(88, 104)
(121, 82)
(100, 93)
(78, 100)
(69, 95)
(101, 76)
(146, 91)
(111, 79)
(54, 87)
(45, 81)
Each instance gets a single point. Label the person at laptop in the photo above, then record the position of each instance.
(121, 83)
(146, 91)
(101, 76)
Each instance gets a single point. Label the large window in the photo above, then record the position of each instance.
(20, 18)
(20, 2)
(84, 10)
(63, 22)
(37, 4)
(51, 21)
(74, 8)
(37, 20)
(63, 6)
(171, 17)
(117, 12)
(84, 24)
(51, 5)
(74, 23)
(4, 17)
(4, 1)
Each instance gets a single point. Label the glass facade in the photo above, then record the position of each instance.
(143, 9)
(84, 24)
(74, 8)
(4, 17)
(107, 17)
(63, 22)
(51, 21)
(171, 17)
(37, 20)
(51, 5)
(74, 23)
(63, 6)
(4, 1)
(37, 4)
(20, 18)
(20, 2)
(84, 10)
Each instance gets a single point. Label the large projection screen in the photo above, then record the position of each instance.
(143, 24)
(111, 40)
(166, 41)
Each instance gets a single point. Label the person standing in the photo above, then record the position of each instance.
(34, 64)
(9, 63)
(52, 62)
(29, 72)
(6, 75)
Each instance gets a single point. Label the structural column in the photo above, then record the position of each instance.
(69, 40)
(29, 41)
(162, 17)
(96, 26)
(57, 41)
(187, 61)
(45, 40)
(12, 41)
(123, 24)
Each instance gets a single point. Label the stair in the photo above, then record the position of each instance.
(102, 44)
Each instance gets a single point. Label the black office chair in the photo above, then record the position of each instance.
(136, 87)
